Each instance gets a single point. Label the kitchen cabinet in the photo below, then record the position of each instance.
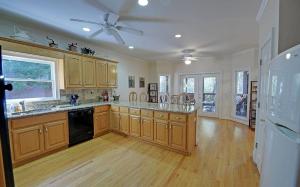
(112, 74)
(32, 137)
(161, 132)
(89, 72)
(115, 121)
(28, 142)
(2, 174)
(73, 71)
(177, 135)
(124, 123)
(147, 128)
(101, 123)
(56, 134)
(101, 73)
(135, 126)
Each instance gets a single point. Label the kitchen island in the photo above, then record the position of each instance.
(41, 132)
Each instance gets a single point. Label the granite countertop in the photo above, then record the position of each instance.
(152, 106)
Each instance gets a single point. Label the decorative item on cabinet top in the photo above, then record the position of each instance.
(72, 47)
(52, 42)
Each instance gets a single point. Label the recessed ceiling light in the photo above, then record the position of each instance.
(288, 56)
(187, 62)
(131, 47)
(86, 29)
(143, 2)
(178, 35)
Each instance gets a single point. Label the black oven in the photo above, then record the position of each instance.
(81, 127)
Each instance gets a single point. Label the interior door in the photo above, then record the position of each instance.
(5, 147)
(266, 56)
(208, 94)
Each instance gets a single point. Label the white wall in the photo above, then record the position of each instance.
(225, 66)
(128, 65)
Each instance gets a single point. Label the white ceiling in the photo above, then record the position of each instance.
(212, 27)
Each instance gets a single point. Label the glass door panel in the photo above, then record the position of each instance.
(209, 97)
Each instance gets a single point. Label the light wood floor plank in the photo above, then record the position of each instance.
(222, 159)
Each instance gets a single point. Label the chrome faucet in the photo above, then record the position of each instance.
(22, 103)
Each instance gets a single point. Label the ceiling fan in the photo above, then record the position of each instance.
(188, 57)
(111, 27)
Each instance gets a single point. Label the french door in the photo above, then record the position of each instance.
(204, 86)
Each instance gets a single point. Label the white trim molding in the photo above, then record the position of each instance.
(261, 10)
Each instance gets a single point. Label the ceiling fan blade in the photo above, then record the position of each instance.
(130, 30)
(117, 36)
(143, 19)
(96, 33)
(84, 21)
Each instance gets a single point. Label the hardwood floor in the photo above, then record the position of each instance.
(222, 158)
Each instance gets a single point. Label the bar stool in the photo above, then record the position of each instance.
(143, 97)
(174, 99)
(132, 97)
(164, 98)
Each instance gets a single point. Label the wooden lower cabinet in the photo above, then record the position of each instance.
(115, 121)
(161, 132)
(177, 135)
(56, 134)
(135, 126)
(27, 142)
(124, 123)
(101, 122)
(147, 128)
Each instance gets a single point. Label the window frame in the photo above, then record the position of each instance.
(41, 60)
(234, 94)
(168, 84)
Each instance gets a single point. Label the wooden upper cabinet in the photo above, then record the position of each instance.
(178, 135)
(73, 71)
(89, 72)
(101, 73)
(27, 142)
(56, 134)
(100, 122)
(161, 132)
(112, 74)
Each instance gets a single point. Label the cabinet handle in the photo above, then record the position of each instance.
(160, 115)
(40, 130)
(46, 129)
(166, 126)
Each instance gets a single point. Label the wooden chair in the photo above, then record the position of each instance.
(143, 97)
(132, 97)
(174, 99)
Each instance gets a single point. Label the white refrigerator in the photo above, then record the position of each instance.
(281, 157)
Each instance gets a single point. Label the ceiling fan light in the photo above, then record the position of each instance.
(187, 62)
(143, 2)
(86, 29)
(131, 47)
(178, 35)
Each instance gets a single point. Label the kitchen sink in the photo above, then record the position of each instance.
(30, 112)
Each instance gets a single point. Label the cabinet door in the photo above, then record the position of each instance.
(100, 122)
(112, 74)
(115, 121)
(28, 142)
(161, 132)
(147, 128)
(56, 135)
(73, 71)
(124, 123)
(135, 126)
(89, 72)
(101, 73)
(178, 135)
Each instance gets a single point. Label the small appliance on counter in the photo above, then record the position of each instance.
(105, 96)
(116, 97)
(74, 99)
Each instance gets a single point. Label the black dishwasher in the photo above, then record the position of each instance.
(81, 127)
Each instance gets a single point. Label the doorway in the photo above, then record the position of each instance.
(204, 87)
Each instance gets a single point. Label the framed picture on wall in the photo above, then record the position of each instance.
(142, 82)
(131, 81)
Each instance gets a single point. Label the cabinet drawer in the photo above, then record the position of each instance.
(101, 109)
(29, 121)
(115, 108)
(147, 113)
(161, 115)
(124, 109)
(178, 117)
(134, 111)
